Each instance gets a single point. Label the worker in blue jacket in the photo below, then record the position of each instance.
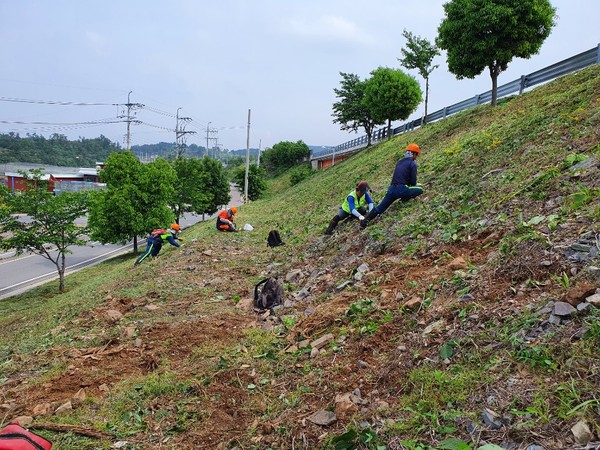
(156, 239)
(356, 204)
(403, 186)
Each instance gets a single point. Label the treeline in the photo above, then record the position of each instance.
(167, 150)
(56, 150)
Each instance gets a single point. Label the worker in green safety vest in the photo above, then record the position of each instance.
(356, 204)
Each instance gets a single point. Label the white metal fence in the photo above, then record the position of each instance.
(577, 62)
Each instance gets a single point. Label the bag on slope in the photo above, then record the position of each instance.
(15, 437)
(268, 293)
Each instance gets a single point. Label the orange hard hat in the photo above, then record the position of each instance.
(234, 210)
(175, 226)
(413, 148)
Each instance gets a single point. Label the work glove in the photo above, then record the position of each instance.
(361, 217)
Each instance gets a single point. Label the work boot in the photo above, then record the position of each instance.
(372, 214)
(332, 224)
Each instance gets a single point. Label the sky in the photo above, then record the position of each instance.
(214, 61)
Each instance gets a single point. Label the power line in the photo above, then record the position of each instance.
(52, 102)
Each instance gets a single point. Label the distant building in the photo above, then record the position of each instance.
(61, 179)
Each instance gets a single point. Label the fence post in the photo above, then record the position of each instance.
(522, 86)
(598, 54)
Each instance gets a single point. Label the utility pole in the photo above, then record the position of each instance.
(210, 131)
(181, 134)
(130, 107)
(258, 157)
(247, 160)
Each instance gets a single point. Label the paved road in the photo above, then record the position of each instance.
(20, 273)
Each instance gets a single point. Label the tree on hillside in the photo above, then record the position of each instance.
(284, 155)
(419, 55)
(217, 185)
(135, 200)
(192, 191)
(50, 228)
(490, 33)
(256, 180)
(390, 95)
(158, 186)
(350, 111)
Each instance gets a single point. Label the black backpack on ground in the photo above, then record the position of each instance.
(268, 293)
(274, 239)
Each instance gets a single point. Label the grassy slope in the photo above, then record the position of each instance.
(187, 367)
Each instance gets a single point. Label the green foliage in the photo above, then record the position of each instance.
(192, 191)
(51, 228)
(216, 182)
(390, 95)
(256, 180)
(350, 111)
(283, 156)
(299, 173)
(135, 200)
(479, 33)
(419, 55)
(56, 150)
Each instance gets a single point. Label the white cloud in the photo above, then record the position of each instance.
(329, 29)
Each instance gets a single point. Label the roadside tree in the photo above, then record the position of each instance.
(256, 180)
(135, 200)
(216, 184)
(489, 33)
(390, 95)
(49, 228)
(283, 156)
(350, 111)
(192, 191)
(419, 55)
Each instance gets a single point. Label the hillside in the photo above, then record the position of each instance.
(446, 324)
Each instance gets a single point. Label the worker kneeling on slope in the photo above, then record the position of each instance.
(356, 204)
(157, 238)
(404, 183)
(225, 220)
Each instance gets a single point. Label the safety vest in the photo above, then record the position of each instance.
(357, 202)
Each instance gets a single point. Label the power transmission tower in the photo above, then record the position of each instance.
(131, 107)
(210, 131)
(181, 134)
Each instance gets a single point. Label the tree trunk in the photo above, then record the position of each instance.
(494, 75)
(61, 274)
(426, 99)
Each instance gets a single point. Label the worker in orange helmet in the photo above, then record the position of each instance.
(225, 219)
(403, 186)
(157, 238)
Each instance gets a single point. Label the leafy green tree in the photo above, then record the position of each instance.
(419, 55)
(217, 185)
(50, 229)
(192, 191)
(135, 200)
(351, 111)
(284, 155)
(490, 33)
(256, 180)
(390, 95)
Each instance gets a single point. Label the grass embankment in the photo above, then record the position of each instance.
(167, 355)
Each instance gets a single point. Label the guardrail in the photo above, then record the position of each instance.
(572, 64)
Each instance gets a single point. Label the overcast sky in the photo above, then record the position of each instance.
(217, 59)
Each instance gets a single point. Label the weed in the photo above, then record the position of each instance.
(562, 280)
